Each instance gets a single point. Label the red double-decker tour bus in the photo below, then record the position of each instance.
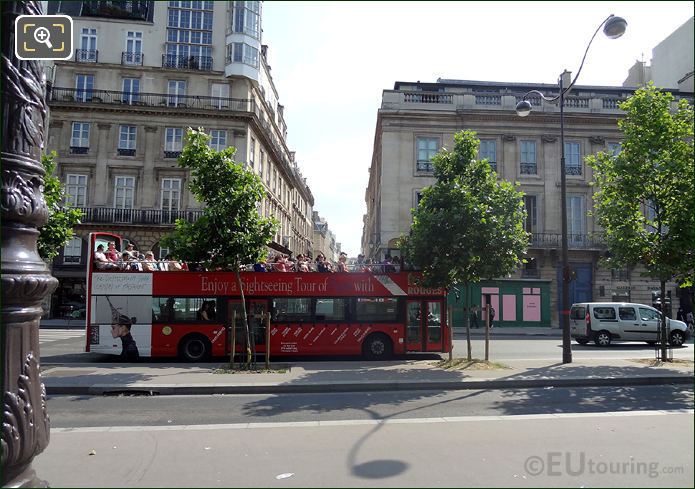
(189, 314)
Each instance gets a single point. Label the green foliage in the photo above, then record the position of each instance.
(230, 232)
(62, 218)
(644, 198)
(468, 226)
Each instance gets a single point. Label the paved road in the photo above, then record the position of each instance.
(638, 449)
(64, 348)
(82, 411)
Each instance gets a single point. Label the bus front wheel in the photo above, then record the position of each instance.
(377, 347)
(194, 348)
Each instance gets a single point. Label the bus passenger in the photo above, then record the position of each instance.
(100, 260)
(150, 264)
(342, 262)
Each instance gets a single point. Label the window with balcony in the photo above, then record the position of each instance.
(240, 52)
(220, 94)
(88, 46)
(124, 198)
(614, 148)
(218, 140)
(573, 159)
(133, 49)
(488, 150)
(170, 197)
(245, 18)
(127, 140)
(189, 36)
(176, 89)
(131, 90)
(426, 149)
(84, 87)
(72, 252)
(576, 219)
(531, 224)
(528, 158)
(76, 190)
(79, 142)
(173, 143)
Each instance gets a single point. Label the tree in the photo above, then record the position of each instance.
(468, 225)
(230, 231)
(62, 218)
(644, 194)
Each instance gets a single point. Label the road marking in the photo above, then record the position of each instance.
(370, 422)
(50, 335)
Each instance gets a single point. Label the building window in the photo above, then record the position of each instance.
(620, 273)
(124, 194)
(246, 18)
(573, 161)
(176, 90)
(174, 142)
(126, 140)
(576, 219)
(488, 150)
(171, 194)
(189, 36)
(614, 149)
(267, 174)
(240, 52)
(218, 140)
(76, 190)
(531, 224)
(528, 158)
(252, 154)
(72, 252)
(131, 90)
(220, 94)
(426, 149)
(88, 46)
(84, 85)
(133, 48)
(79, 143)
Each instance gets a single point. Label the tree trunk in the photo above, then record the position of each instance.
(244, 316)
(450, 321)
(468, 322)
(233, 340)
(487, 332)
(662, 325)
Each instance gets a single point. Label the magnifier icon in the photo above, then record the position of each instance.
(43, 36)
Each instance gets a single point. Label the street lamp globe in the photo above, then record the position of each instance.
(523, 108)
(615, 27)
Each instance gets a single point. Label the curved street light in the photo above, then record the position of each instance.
(613, 27)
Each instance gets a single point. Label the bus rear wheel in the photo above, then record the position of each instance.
(377, 347)
(194, 348)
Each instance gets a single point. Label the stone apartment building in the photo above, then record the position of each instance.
(416, 120)
(324, 239)
(143, 72)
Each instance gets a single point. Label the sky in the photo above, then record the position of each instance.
(331, 62)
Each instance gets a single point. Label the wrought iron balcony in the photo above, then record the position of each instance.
(117, 9)
(86, 55)
(528, 169)
(109, 215)
(112, 97)
(573, 170)
(133, 59)
(172, 154)
(574, 241)
(126, 152)
(79, 150)
(202, 63)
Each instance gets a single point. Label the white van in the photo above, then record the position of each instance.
(604, 322)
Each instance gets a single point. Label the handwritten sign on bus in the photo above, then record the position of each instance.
(122, 284)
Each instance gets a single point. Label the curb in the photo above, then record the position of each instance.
(170, 390)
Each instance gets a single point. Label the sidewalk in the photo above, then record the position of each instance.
(351, 376)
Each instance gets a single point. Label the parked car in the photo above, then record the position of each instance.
(604, 322)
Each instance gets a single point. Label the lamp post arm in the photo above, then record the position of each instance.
(569, 87)
(585, 53)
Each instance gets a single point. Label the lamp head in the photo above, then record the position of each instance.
(614, 27)
(523, 108)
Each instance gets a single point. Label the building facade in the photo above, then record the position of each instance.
(418, 119)
(142, 73)
(324, 239)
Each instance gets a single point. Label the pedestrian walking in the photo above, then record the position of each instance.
(474, 316)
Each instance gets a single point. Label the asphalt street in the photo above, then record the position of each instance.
(87, 411)
(67, 346)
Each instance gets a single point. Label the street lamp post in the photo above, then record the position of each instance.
(613, 27)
